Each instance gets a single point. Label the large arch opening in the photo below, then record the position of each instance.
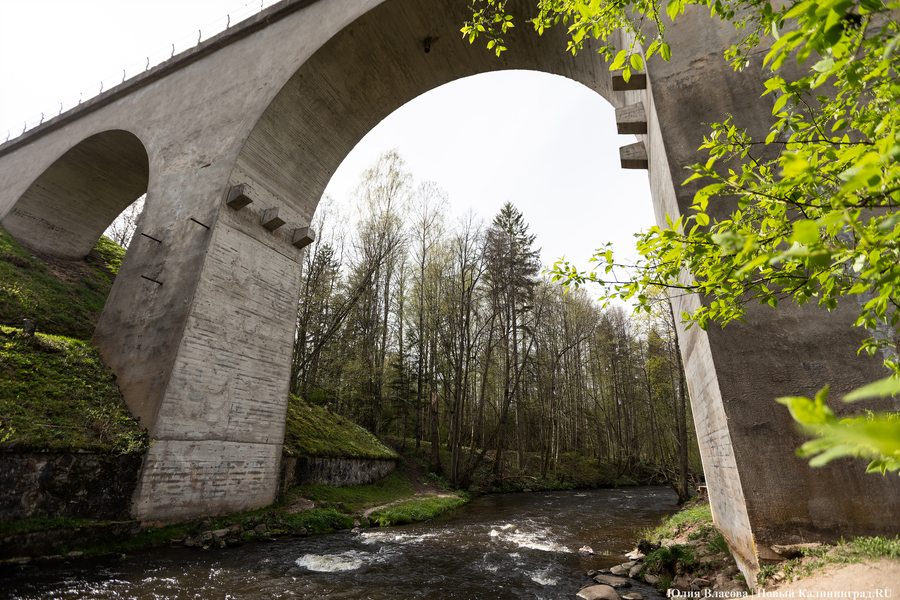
(66, 210)
(365, 73)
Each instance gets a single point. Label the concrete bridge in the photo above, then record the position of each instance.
(234, 142)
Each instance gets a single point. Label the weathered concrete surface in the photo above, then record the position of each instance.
(337, 472)
(83, 485)
(198, 325)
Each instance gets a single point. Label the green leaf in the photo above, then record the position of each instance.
(879, 389)
(665, 51)
(806, 232)
(637, 62)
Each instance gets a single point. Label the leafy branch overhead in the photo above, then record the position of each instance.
(809, 214)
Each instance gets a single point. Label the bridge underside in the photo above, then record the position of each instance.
(199, 325)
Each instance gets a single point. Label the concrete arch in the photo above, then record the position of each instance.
(391, 54)
(69, 206)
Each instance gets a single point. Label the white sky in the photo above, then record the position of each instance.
(557, 160)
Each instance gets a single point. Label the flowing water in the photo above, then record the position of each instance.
(498, 546)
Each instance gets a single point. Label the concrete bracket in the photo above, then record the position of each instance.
(238, 197)
(303, 237)
(634, 156)
(638, 81)
(270, 219)
(631, 119)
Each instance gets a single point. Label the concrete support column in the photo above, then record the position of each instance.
(220, 425)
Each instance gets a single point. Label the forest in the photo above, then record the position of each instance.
(424, 329)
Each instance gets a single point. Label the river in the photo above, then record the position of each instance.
(498, 546)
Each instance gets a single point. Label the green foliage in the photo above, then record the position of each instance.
(56, 394)
(111, 253)
(664, 560)
(584, 20)
(417, 510)
(314, 431)
(718, 543)
(70, 307)
(872, 437)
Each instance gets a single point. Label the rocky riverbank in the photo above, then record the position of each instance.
(695, 560)
(686, 556)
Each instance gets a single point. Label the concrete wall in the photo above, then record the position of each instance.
(198, 325)
(337, 472)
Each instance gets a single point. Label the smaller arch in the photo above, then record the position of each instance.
(69, 206)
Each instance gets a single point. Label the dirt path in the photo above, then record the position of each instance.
(875, 579)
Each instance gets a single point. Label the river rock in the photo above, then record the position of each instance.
(700, 583)
(75, 554)
(634, 571)
(619, 570)
(585, 550)
(612, 581)
(220, 534)
(651, 579)
(300, 532)
(682, 584)
(632, 596)
(635, 555)
(260, 529)
(597, 592)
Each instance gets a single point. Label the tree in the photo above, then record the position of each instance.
(815, 215)
(122, 229)
(512, 266)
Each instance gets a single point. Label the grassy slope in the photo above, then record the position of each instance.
(29, 288)
(55, 392)
(313, 431)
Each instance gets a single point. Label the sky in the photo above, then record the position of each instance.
(557, 160)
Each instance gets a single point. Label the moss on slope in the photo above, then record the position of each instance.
(314, 431)
(64, 297)
(56, 394)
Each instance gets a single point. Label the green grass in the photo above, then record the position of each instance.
(672, 525)
(313, 431)
(416, 510)
(20, 526)
(56, 394)
(29, 289)
(320, 519)
(875, 547)
(355, 498)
